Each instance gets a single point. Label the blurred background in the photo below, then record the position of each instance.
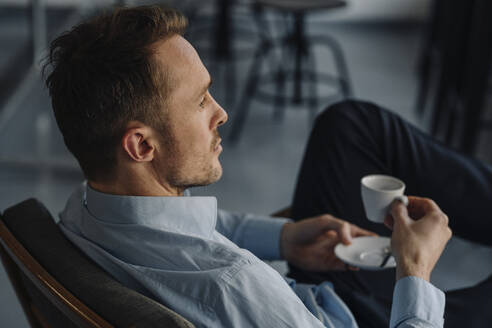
(275, 64)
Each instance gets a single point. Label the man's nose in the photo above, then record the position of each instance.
(223, 117)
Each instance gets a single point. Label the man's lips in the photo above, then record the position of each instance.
(218, 146)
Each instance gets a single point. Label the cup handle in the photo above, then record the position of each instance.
(403, 199)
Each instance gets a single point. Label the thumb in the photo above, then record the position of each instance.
(389, 222)
(399, 213)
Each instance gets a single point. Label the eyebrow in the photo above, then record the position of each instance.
(206, 87)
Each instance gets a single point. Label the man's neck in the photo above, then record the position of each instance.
(131, 187)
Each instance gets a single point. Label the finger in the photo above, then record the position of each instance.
(344, 233)
(331, 235)
(328, 241)
(331, 222)
(343, 228)
(310, 228)
(419, 207)
(359, 232)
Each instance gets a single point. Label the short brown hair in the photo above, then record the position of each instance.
(103, 75)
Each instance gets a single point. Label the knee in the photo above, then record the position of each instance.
(348, 108)
(338, 114)
(346, 116)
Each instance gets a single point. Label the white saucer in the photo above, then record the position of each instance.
(366, 253)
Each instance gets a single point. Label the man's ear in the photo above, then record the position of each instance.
(137, 143)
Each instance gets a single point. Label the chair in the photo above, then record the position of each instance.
(285, 212)
(58, 286)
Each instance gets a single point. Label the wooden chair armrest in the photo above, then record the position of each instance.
(283, 213)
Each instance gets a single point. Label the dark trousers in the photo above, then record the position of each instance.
(353, 139)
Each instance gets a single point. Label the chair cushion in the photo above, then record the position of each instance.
(33, 226)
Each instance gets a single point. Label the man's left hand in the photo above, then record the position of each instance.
(309, 244)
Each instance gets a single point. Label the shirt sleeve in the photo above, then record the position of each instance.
(417, 304)
(258, 234)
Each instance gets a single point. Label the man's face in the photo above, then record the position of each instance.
(190, 143)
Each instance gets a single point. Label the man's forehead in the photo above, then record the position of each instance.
(175, 45)
(179, 59)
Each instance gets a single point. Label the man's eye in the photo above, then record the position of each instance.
(202, 103)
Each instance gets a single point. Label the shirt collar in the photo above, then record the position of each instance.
(186, 215)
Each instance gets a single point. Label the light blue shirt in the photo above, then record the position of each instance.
(204, 263)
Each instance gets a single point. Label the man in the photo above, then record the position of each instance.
(130, 96)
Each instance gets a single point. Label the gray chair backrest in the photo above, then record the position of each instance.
(59, 286)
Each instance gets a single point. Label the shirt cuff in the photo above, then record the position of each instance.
(416, 299)
(261, 236)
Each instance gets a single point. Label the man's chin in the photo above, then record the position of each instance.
(216, 175)
(213, 177)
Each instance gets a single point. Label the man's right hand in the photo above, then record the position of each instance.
(420, 233)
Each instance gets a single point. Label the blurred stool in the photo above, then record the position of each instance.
(220, 36)
(296, 50)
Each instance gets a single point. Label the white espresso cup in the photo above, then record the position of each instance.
(378, 192)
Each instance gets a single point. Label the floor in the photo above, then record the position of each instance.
(259, 172)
